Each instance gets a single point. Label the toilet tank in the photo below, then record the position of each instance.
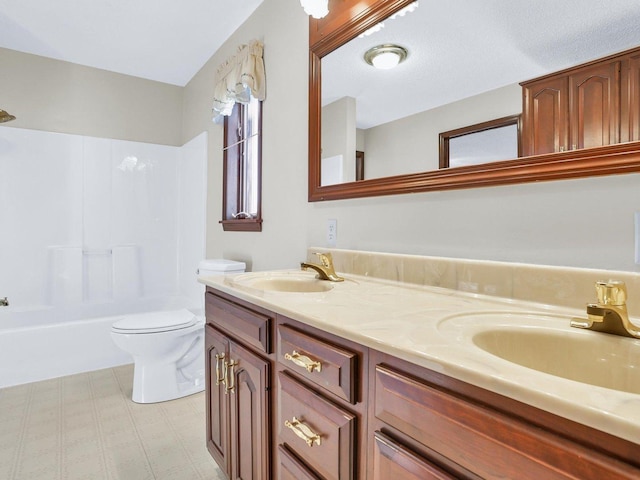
(219, 266)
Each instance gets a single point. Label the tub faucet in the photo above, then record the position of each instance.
(324, 268)
(609, 314)
(4, 302)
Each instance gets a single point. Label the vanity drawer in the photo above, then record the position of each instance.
(253, 327)
(391, 460)
(318, 431)
(291, 468)
(485, 441)
(333, 368)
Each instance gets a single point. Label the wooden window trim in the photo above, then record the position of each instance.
(231, 179)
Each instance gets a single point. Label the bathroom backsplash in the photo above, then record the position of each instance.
(550, 285)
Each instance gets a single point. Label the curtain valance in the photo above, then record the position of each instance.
(239, 78)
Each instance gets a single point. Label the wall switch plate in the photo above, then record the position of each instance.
(332, 232)
(637, 243)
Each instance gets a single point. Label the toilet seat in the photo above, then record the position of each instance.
(155, 322)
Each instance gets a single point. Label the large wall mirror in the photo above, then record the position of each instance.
(464, 61)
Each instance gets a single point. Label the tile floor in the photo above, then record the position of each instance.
(86, 427)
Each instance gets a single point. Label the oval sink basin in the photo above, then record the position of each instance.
(549, 345)
(286, 282)
(587, 357)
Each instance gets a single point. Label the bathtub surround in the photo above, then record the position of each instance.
(96, 227)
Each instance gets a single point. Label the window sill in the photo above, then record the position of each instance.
(242, 225)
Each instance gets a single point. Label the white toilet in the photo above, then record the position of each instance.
(168, 347)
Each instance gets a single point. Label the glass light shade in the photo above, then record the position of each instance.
(386, 60)
(386, 56)
(315, 8)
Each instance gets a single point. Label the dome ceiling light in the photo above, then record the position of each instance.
(386, 56)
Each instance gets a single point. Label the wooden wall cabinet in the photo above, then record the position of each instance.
(591, 105)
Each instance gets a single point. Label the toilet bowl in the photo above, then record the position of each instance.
(168, 353)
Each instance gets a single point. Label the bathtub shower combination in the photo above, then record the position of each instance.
(93, 230)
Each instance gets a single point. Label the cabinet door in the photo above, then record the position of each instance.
(248, 380)
(632, 103)
(393, 461)
(218, 438)
(546, 116)
(594, 106)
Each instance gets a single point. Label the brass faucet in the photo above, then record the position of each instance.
(325, 268)
(609, 315)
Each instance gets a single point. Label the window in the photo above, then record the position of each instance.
(241, 209)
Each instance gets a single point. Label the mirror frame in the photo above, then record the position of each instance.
(346, 20)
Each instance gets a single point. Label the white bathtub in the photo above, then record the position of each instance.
(38, 343)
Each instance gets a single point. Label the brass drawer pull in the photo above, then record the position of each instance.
(303, 431)
(219, 371)
(303, 361)
(231, 386)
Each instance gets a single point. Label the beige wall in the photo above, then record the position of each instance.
(56, 96)
(413, 142)
(283, 27)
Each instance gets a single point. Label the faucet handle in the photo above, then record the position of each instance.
(325, 259)
(613, 292)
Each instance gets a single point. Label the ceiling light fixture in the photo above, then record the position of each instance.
(315, 8)
(386, 56)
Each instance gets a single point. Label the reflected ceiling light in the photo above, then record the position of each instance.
(315, 8)
(6, 116)
(386, 56)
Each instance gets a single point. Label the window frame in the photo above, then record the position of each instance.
(233, 160)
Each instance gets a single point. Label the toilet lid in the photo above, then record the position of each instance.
(156, 322)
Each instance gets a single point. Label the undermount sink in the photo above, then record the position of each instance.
(549, 345)
(285, 282)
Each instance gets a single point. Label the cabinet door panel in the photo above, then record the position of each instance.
(633, 102)
(545, 119)
(393, 461)
(334, 456)
(250, 413)
(217, 406)
(594, 106)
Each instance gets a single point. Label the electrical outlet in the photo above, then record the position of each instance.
(332, 232)
(637, 221)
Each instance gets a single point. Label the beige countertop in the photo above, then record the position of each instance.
(426, 326)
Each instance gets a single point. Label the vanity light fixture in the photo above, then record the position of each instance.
(386, 56)
(315, 8)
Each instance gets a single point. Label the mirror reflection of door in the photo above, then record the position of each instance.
(484, 142)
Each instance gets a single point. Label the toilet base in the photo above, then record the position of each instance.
(153, 383)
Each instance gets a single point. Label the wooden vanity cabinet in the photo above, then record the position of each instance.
(321, 384)
(432, 425)
(591, 105)
(239, 369)
(289, 401)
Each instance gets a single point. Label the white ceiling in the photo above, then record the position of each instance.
(163, 40)
(460, 48)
